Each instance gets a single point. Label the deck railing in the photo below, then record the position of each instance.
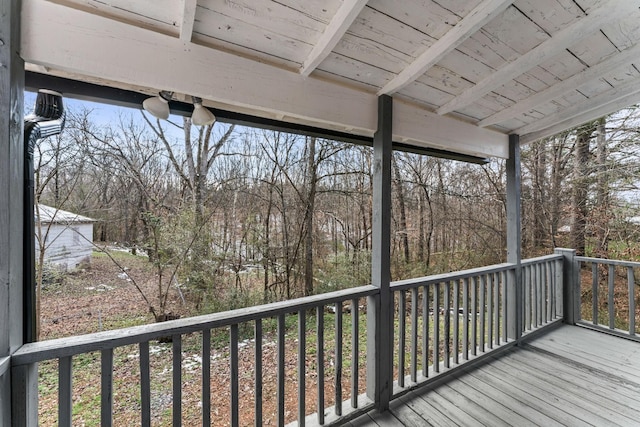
(440, 322)
(608, 295)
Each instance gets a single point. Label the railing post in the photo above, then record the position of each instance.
(24, 394)
(570, 286)
(514, 321)
(380, 306)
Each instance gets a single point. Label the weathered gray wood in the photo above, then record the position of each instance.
(413, 371)
(302, 358)
(18, 388)
(459, 275)
(585, 391)
(474, 316)
(234, 388)
(338, 366)
(571, 286)
(490, 309)
(206, 377)
(425, 331)
(420, 412)
(456, 322)
(631, 283)
(485, 398)
(355, 359)
(610, 303)
(465, 311)
(608, 261)
(436, 328)
(106, 388)
(483, 309)
(496, 307)
(380, 310)
(526, 279)
(320, 363)
(145, 385)
(176, 344)
(51, 349)
(446, 325)
(65, 389)
(504, 305)
(402, 329)
(461, 409)
(281, 371)
(564, 398)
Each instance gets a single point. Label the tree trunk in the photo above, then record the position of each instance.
(580, 189)
(404, 235)
(308, 215)
(602, 214)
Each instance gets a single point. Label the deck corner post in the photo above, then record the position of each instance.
(570, 286)
(380, 306)
(514, 321)
(24, 386)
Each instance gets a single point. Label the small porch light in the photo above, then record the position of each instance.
(201, 116)
(158, 106)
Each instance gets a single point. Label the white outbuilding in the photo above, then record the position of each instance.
(67, 237)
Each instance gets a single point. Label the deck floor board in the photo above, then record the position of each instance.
(568, 376)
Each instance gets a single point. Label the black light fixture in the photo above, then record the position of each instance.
(158, 106)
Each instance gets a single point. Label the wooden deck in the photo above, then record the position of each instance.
(569, 376)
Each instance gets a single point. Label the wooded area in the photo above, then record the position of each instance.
(243, 215)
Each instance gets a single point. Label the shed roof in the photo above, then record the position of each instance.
(464, 74)
(49, 214)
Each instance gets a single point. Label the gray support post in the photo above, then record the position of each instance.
(570, 286)
(380, 307)
(514, 241)
(18, 386)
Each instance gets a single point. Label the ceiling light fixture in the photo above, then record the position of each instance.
(158, 106)
(201, 116)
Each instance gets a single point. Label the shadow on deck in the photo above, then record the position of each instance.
(568, 376)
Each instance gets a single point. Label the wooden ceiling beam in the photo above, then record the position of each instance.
(340, 23)
(469, 25)
(610, 11)
(588, 108)
(599, 111)
(188, 19)
(607, 65)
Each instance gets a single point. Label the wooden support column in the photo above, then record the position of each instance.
(380, 307)
(514, 241)
(18, 386)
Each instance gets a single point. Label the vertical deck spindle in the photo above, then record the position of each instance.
(413, 371)
(465, 312)
(489, 284)
(106, 398)
(446, 346)
(436, 328)
(474, 316)
(65, 389)
(355, 345)
(233, 356)
(483, 309)
(320, 362)
(177, 380)
(145, 385)
(631, 282)
(280, 377)
(456, 321)
(425, 331)
(206, 377)
(338, 384)
(612, 316)
(258, 373)
(402, 327)
(496, 308)
(302, 358)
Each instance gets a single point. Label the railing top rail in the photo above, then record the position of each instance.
(608, 261)
(544, 258)
(444, 277)
(61, 347)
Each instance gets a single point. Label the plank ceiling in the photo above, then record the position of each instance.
(463, 73)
